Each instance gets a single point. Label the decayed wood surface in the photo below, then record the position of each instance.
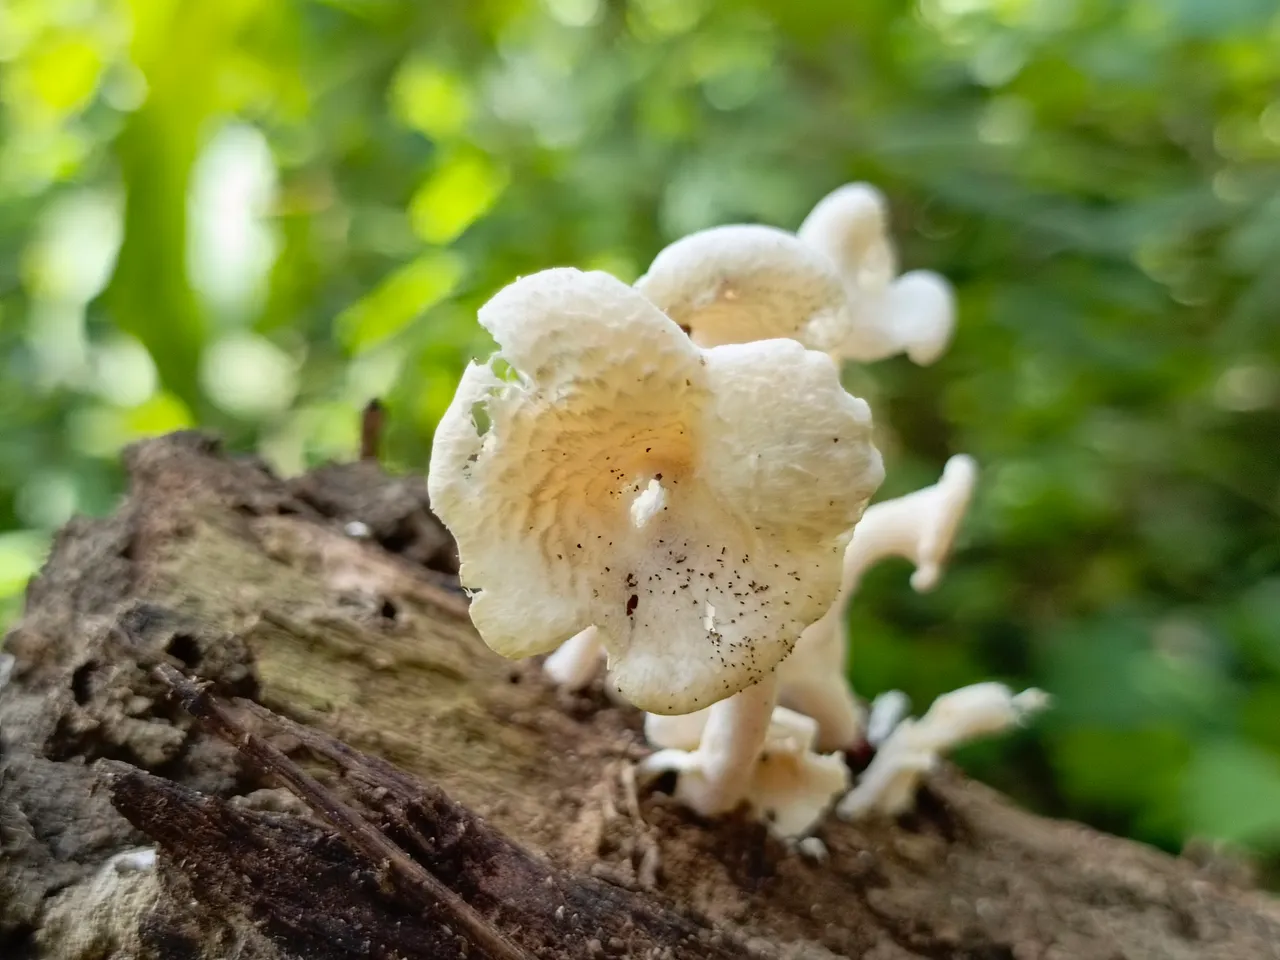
(449, 800)
(482, 896)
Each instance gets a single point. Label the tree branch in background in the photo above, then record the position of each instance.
(372, 423)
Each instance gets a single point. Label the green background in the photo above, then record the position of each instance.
(256, 214)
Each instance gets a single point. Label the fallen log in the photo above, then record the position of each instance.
(368, 779)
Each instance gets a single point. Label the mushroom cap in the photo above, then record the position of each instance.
(791, 785)
(978, 710)
(913, 313)
(739, 283)
(945, 504)
(850, 226)
(764, 463)
(920, 307)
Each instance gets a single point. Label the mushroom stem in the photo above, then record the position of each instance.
(915, 747)
(648, 504)
(790, 786)
(887, 529)
(576, 661)
(731, 744)
(919, 526)
(829, 700)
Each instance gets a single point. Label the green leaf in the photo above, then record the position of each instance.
(457, 194)
(399, 300)
(431, 100)
(21, 554)
(1232, 792)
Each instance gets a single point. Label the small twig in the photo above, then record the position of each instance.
(605, 795)
(630, 793)
(372, 422)
(408, 875)
(650, 863)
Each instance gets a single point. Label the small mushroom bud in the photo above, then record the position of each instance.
(913, 313)
(739, 283)
(888, 786)
(919, 526)
(576, 661)
(789, 787)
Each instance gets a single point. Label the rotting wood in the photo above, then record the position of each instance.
(417, 860)
(265, 590)
(409, 879)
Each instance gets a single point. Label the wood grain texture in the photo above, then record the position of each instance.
(221, 571)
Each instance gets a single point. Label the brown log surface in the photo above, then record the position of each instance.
(265, 590)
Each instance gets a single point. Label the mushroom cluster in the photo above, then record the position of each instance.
(791, 785)
(671, 477)
(833, 285)
(919, 527)
(912, 748)
(690, 504)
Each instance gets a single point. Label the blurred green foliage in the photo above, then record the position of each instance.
(256, 214)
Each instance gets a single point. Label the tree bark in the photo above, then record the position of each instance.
(366, 779)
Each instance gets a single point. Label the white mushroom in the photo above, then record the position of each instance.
(918, 310)
(913, 313)
(790, 786)
(888, 786)
(691, 504)
(920, 527)
(576, 661)
(850, 225)
(740, 283)
(887, 710)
